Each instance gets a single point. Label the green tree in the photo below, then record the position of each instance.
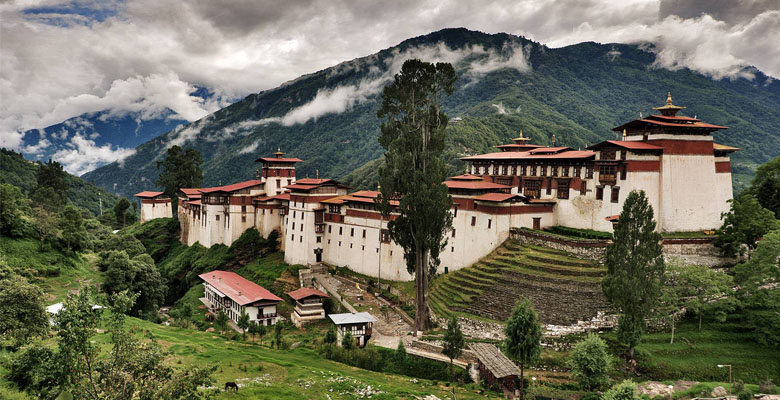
(744, 224)
(22, 312)
(46, 224)
(413, 136)
(453, 341)
(399, 358)
(35, 369)
(758, 283)
(278, 334)
(347, 341)
(13, 211)
(766, 186)
(52, 175)
(243, 323)
(137, 275)
(179, 169)
(72, 227)
(222, 321)
(523, 341)
(330, 336)
(132, 369)
(625, 390)
(120, 211)
(255, 329)
(261, 331)
(46, 198)
(589, 362)
(635, 267)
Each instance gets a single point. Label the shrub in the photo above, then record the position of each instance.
(745, 395)
(590, 362)
(625, 390)
(766, 386)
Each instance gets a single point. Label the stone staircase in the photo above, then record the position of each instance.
(562, 288)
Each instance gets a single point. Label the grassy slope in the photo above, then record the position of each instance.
(74, 270)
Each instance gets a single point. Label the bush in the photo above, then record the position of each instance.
(766, 387)
(590, 362)
(580, 233)
(745, 395)
(625, 390)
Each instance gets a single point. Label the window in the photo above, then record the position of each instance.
(243, 208)
(293, 214)
(293, 226)
(543, 170)
(473, 221)
(301, 226)
(453, 232)
(608, 154)
(549, 187)
(363, 248)
(531, 188)
(554, 170)
(522, 170)
(589, 172)
(577, 170)
(243, 199)
(339, 243)
(352, 232)
(384, 236)
(301, 239)
(319, 239)
(563, 189)
(329, 228)
(490, 221)
(364, 233)
(217, 217)
(565, 170)
(293, 237)
(456, 212)
(583, 187)
(350, 245)
(623, 172)
(340, 229)
(514, 170)
(243, 218)
(599, 193)
(533, 170)
(607, 173)
(615, 194)
(334, 209)
(503, 170)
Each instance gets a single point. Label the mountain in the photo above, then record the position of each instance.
(506, 83)
(18, 171)
(69, 141)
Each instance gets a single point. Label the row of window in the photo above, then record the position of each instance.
(531, 170)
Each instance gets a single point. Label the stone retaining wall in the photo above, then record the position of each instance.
(698, 251)
(436, 347)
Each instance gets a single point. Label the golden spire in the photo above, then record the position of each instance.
(624, 134)
(669, 109)
(553, 140)
(669, 98)
(278, 153)
(521, 139)
(318, 174)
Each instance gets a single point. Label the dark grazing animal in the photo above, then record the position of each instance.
(231, 385)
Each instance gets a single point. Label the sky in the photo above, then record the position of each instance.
(60, 59)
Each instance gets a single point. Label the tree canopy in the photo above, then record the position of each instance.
(745, 223)
(523, 341)
(22, 312)
(179, 169)
(590, 361)
(765, 186)
(635, 267)
(453, 341)
(413, 136)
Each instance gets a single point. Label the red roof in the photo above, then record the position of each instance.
(234, 187)
(527, 155)
(497, 197)
(628, 144)
(541, 150)
(194, 202)
(278, 159)
(312, 181)
(684, 123)
(466, 177)
(303, 293)
(474, 185)
(147, 194)
(366, 193)
(238, 289)
(191, 192)
(613, 218)
(300, 186)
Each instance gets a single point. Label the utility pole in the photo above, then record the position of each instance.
(100, 200)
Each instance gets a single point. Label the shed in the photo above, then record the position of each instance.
(495, 367)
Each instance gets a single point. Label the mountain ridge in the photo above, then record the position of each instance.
(578, 92)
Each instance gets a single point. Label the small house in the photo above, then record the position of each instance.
(308, 305)
(154, 205)
(233, 294)
(359, 325)
(496, 368)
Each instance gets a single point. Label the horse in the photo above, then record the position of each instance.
(231, 385)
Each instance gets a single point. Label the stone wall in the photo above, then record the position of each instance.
(473, 328)
(591, 249)
(698, 251)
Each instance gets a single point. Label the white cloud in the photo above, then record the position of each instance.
(57, 66)
(250, 148)
(82, 155)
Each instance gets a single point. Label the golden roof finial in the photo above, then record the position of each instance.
(278, 153)
(669, 98)
(318, 174)
(553, 140)
(624, 134)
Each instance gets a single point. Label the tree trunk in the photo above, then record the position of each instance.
(43, 238)
(522, 381)
(672, 321)
(421, 271)
(450, 369)
(631, 353)
(700, 321)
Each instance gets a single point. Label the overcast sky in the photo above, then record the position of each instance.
(60, 59)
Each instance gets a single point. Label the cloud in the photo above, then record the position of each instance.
(60, 58)
(250, 148)
(82, 155)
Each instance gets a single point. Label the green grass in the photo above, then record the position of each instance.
(264, 271)
(696, 354)
(55, 272)
(687, 235)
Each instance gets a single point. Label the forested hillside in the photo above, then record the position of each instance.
(506, 83)
(18, 171)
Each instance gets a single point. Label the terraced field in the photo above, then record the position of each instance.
(561, 287)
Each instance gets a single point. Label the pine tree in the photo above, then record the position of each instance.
(243, 323)
(453, 341)
(413, 136)
(523, 341)
(330, 336)
(222, 320)
(635, 268)
(180, 169)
